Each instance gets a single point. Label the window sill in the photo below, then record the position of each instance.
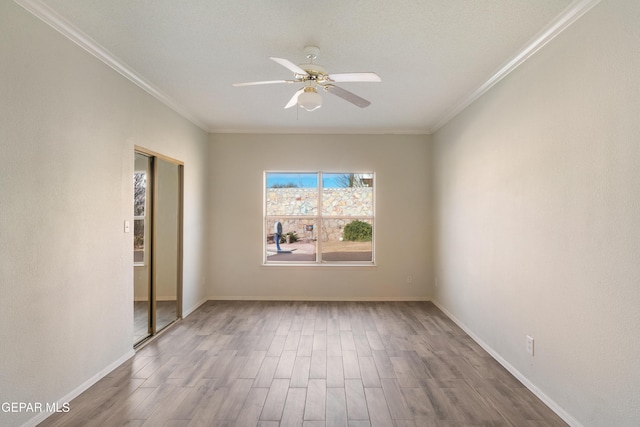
(355, 265)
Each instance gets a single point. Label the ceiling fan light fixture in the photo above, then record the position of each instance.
(314, 76)
(310, 99)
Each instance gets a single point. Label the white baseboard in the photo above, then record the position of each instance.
(81, 388)
(308, 298)
(187, 312)
(520, 377)
(525, 381)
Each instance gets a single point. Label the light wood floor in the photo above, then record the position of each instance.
(310, 364)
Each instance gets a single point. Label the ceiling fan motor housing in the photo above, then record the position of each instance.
(314, 76)
(315, 72)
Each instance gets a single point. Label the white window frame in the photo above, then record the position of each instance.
(319, 262)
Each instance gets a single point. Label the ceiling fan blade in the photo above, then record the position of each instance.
(266, 82)
(347, 96)
(294, 99)
(355, 77)
(290, 66)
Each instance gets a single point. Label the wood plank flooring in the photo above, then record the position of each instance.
(310, 364)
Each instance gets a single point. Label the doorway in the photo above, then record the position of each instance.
(157, 246)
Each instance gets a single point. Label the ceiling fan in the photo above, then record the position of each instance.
(315, 77)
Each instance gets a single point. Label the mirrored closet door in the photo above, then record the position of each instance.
(157, 243)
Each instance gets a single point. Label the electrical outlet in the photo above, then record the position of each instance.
(409, 279)
(530, 345)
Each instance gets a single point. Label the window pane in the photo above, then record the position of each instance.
(340, 217)
(292, 194)
(292, 180)
(138, 240)
(297, 242)
(345, 239)
(347, 194)
(140, 191)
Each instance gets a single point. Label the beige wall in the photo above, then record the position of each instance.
(535, 210)
(401, 164)
(538, 218)
(68, 126)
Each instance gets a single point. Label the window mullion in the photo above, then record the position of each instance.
(348, 203)
(319, 220)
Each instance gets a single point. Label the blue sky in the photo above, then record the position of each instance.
(302, 180)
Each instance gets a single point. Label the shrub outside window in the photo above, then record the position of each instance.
(319, 218)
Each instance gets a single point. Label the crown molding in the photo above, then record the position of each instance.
(43, 12)
(56, 21)
(322, 131)
(571, 14)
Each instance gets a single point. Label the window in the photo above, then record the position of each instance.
(139, 213)
(319, 218)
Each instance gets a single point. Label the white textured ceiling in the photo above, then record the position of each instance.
(432, 55)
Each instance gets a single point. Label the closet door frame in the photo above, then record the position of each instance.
(153, 157)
